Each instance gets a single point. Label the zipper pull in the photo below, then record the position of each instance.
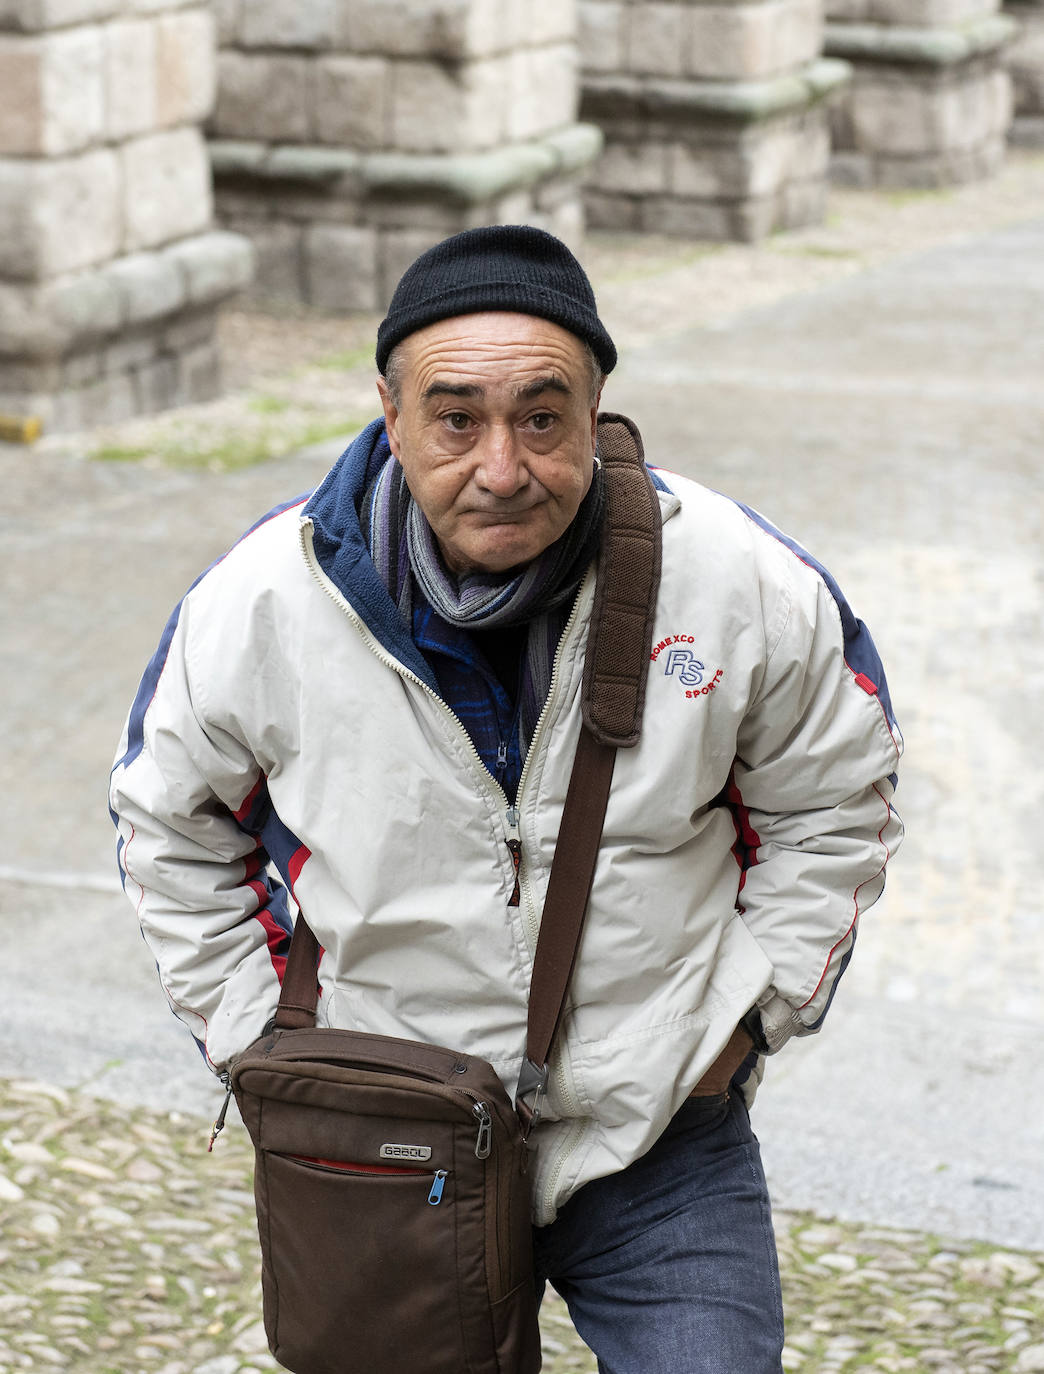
(435, 1196)
(219, 1124)
(511, 816)
(484, 1142)
(515, 849)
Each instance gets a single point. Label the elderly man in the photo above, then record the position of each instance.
(375, 695)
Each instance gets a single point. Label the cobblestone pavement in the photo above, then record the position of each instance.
(126, 1249)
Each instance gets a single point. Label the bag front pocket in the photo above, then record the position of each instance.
(355, 1259)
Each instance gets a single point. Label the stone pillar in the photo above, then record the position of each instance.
(109, 273)
(350, 136)
(1025, 62)
(930, 102)
(713, 114)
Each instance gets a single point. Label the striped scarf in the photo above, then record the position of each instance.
(402, 543)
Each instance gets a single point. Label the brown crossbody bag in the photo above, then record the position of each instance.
(393, 1202)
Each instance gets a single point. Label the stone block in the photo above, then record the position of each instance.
(191, 330)
(130, 78)
(132, 349)
(80, 306)
(157, 384)
(469, 98)
(635, 168)
(454, 30)
(606, 210)
(149, 286)
(352, 101)
(213, 265)
(747, 41)
(227, 16)
(760, 163)
(602, 35)
(59, 215)
(86, 365)
(36, 16)
(108, 401)
(186, 66)
(166, 188)
(263, 96)
(694, 219)
(1025, 58)
(544, 91)
(53, 92)
(200, 373)
(278, 257)
(550, 21)
(306, 24)
(910, 118)
(340, 268)
(658, 39)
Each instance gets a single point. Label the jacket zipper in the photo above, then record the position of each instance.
(509, 812)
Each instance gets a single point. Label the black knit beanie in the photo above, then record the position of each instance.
(503, 267)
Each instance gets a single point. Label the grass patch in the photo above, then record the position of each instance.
(654, 264)
(347, 361)
(268, 405)
(230, 451)
(813, 250)
(917, 196)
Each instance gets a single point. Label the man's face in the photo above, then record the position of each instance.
(495, 431)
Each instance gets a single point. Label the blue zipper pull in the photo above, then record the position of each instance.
(435, 1196)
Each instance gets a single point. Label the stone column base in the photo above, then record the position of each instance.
(336, 229)
(710, 159)
(927, 107)
(128, 338)
(1025, 62)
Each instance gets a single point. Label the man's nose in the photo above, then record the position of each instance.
(501, 469)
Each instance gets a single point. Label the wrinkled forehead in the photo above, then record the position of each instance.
(490, 352)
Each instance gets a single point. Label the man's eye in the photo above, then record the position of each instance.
(542, 421)
(457, 419)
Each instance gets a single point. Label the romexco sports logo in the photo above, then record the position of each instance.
(680, 662)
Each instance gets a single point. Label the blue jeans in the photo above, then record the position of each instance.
(669, 1267)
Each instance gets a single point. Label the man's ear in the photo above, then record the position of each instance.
(594, 416)
(391, 415)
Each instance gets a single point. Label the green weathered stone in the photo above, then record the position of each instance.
(621, 97)
(941, 47)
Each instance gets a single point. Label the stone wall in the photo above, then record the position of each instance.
(1025, 61)
(713, 114)
(109, 271)
(350, 136)
(930, 102)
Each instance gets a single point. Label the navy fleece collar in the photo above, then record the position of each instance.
(342, 551)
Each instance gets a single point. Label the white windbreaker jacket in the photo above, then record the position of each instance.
(288, 726)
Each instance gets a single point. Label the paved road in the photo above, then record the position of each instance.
(893, 422)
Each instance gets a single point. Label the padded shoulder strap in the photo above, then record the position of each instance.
(617, 663)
